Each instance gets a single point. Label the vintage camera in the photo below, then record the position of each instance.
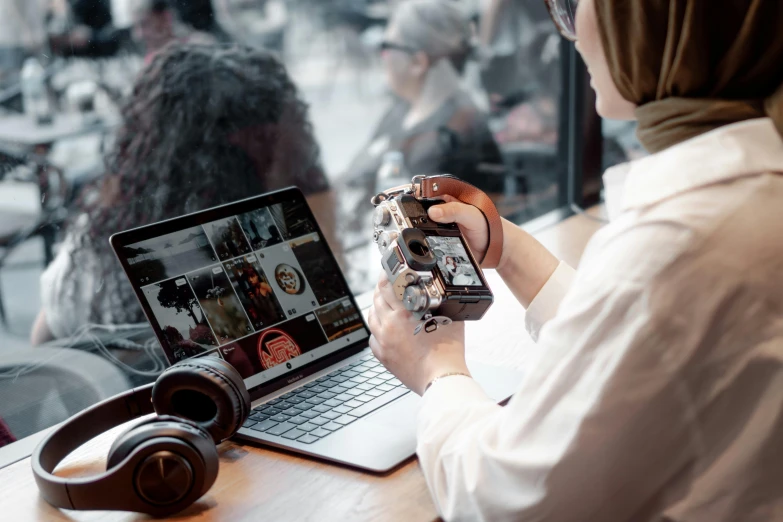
(429, 264)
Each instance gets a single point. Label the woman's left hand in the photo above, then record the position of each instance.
(415, 360)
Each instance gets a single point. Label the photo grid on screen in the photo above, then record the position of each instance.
(257, 289)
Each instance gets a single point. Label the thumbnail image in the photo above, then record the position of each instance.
(227, 238)
(274, 346)
(340, 319)
(287, 279)
(219, 302)
(453, 261)
(260, 229)
(168, 256)
(180, 318)
(254, 291)
(293, 219)
(320, 268)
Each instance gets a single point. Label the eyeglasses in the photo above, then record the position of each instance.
(563, 13)
(391, 46)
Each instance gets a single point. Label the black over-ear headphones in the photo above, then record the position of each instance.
(165, 463)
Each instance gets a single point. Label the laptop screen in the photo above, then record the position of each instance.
(252, 282)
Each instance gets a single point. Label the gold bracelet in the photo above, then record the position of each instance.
(450, 374)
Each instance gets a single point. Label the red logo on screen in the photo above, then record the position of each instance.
(275, 347)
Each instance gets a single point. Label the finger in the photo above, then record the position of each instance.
(386, 289)
(373, 322)
(389, 296)
(375, 346)
(382, 308)
(465, 215)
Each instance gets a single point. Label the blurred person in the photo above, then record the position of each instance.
(157, 24)
(518, 36)
(84, 28)
(521, 72)
(200, 15)
(433, 121)
(655, 390)
(22, 33)
(258, 23)
(205, 126)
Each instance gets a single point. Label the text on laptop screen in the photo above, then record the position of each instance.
(259, 289)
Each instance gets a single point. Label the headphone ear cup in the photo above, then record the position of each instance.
(124, 444)
(178, 462)
(207, 391)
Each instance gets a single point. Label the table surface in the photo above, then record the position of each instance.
(258, 483)
(23, 130)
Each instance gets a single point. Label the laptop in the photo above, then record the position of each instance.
(255, 283)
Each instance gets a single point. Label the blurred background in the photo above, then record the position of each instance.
(482, 89)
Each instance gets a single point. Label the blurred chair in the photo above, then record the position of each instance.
(38, 191)
(41, 387)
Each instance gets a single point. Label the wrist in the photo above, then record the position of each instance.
(526, 265)
(442, 369)
(445, 376)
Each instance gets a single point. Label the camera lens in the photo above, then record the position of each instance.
(418, 248)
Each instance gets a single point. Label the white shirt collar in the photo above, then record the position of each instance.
(729, 152)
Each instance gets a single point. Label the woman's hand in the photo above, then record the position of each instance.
(470, 220)
(525, 264)
(414, 360)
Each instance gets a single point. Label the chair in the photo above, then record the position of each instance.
(41, 387)
(46, 190)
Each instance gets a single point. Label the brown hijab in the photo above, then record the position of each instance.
(694, 65)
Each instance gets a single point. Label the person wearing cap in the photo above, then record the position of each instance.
(656, 388)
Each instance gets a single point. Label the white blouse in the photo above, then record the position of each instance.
(658, 394)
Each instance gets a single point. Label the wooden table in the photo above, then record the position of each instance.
(257, 483)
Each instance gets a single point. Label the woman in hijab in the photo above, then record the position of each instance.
(658, 388)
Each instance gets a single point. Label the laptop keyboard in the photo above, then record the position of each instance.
(319, 408)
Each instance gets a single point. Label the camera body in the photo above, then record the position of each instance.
(429, 264)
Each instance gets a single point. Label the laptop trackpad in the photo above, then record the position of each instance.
(399, 415)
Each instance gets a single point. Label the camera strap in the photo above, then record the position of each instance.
(445, 185)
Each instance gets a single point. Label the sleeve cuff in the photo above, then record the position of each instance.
(547, 301)
(449, 393)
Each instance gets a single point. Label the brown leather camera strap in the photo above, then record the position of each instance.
(438, 186)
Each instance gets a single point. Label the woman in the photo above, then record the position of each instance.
(206, 125)
(458, 274)
(433, 122)
(658, 390)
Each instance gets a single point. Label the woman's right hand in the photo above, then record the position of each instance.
(525, 264)
(470, 220)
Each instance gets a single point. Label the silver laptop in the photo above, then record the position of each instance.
(255, 283)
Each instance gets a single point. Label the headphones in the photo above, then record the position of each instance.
(161, 465)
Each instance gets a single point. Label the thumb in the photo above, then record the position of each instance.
(460, 213)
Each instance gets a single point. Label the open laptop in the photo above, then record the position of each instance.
(255, 283)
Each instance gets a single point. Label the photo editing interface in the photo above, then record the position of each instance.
(260, 290)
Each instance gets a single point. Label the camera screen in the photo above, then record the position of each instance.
(453, 261)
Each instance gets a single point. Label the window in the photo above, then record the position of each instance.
(118, 114)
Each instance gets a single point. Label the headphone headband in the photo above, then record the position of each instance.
(74, 432)
(161, 465)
